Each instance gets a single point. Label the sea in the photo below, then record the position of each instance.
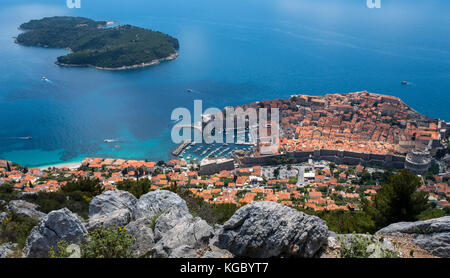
(232, 52)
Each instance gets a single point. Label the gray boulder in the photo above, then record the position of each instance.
(58, 225)
(184, 251)
(432, 235)
(6, 249)
(118, 218)
(74, 250)
(268, 229)
(3, 216)
(25, 209)
(215, 252)
(168, 220)
(141, 230)
(192, 232)
(156, 202)
(112, 208)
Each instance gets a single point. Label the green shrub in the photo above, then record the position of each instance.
(101, 243)
(364, 246)
(7, 193)
(74, 195)
(108, 243)
(60, 251)
(137, 188)
(431, 213)
(16, 229)
(397, 200)
(154, 219)
(344, 222)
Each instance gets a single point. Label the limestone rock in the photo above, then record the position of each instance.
(168, 220)
(74, 250)
(141, 230)
(112, 208)
(56, 226)
(6, 249)
(193, 232)
(25, 209)
(432, 235)
(158, 201)
(268, 229)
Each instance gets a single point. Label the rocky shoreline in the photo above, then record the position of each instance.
(138, 66)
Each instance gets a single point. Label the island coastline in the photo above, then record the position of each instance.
(123, 47)
(137, 66)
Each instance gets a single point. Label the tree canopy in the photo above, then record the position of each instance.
(92, 44)
(398, 200)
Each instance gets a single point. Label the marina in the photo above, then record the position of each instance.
(181, 147)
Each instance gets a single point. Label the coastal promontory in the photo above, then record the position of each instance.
(96, 44)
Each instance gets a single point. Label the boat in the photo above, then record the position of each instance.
(190, 90)
(44, 78)
(405, 82)
(109, 140)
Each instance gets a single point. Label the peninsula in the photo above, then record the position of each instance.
(92, 44)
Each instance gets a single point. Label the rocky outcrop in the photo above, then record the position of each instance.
(112, 208)
(166, 221)
(184, 238)
(3, 216)
(157, 202)
(142, 232)
(432, 235)
(162, 227)
(268, 229)
(6, 250)
(25, 209)
(58, 225)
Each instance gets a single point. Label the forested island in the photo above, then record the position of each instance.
(92, 43)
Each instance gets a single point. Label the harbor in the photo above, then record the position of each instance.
(181, 147)
(192, 151)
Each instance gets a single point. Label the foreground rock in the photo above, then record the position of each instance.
(112, 208)
(432, 235)
(56, 226)
(3, 216)
(25, 209)
(157, 202)
(6, 250)
(268, 229)
(166, 221)
(184, 239)
(141, 230)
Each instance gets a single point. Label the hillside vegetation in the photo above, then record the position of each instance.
(92, 44)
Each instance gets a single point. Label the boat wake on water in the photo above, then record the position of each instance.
(192, 91)
(112, 140)
(21, 137)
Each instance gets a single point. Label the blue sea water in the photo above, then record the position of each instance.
(232, 52)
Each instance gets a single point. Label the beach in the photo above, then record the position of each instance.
(69, 165)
